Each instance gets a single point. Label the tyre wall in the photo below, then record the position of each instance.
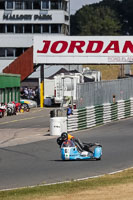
(98, 115)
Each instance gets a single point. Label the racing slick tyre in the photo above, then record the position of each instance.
(98, 158)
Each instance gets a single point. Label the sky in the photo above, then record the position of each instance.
(77, 4)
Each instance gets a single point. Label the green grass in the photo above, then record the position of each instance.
(109, 72)
(73, 186)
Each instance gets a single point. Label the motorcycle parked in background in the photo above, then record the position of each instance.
(2, 109)
(11, 109)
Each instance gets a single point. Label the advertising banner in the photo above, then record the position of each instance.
(61, 49)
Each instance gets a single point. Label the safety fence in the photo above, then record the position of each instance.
(98, 93)
(101, 114)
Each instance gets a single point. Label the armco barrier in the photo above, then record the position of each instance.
(101, 114)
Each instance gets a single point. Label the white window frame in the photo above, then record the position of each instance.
(6, 3)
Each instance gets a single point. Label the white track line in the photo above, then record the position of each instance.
(81, 179)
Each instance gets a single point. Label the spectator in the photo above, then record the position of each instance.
(69, 110)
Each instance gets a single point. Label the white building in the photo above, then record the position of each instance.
(20, 20)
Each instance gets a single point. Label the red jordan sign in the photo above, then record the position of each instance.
(83, 49)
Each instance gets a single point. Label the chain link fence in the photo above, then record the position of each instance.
(98, 93)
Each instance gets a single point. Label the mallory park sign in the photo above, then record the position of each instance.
(83, 49)
(26, 17)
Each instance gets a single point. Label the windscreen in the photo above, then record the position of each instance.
(68, 143)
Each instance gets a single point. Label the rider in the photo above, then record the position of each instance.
(80, 146)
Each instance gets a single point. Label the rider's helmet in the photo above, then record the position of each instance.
(64, 136)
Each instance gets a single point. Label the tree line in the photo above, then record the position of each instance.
(108, 17)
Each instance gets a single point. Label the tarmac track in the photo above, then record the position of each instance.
(39, 162)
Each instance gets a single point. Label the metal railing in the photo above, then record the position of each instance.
(98, 93)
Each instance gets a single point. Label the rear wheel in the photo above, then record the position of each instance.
(25, 107)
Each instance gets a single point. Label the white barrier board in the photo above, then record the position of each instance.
(61, 49)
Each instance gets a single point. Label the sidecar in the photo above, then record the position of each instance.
(70, 152)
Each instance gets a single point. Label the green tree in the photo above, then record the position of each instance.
(127, 14)
(124, 10)
(113, 4)
(95, 19)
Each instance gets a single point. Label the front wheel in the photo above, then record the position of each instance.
(1, 115)
(98, 158)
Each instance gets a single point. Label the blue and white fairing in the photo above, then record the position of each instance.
(69, 152)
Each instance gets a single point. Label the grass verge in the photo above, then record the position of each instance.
(109, 72)
(94, 188)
